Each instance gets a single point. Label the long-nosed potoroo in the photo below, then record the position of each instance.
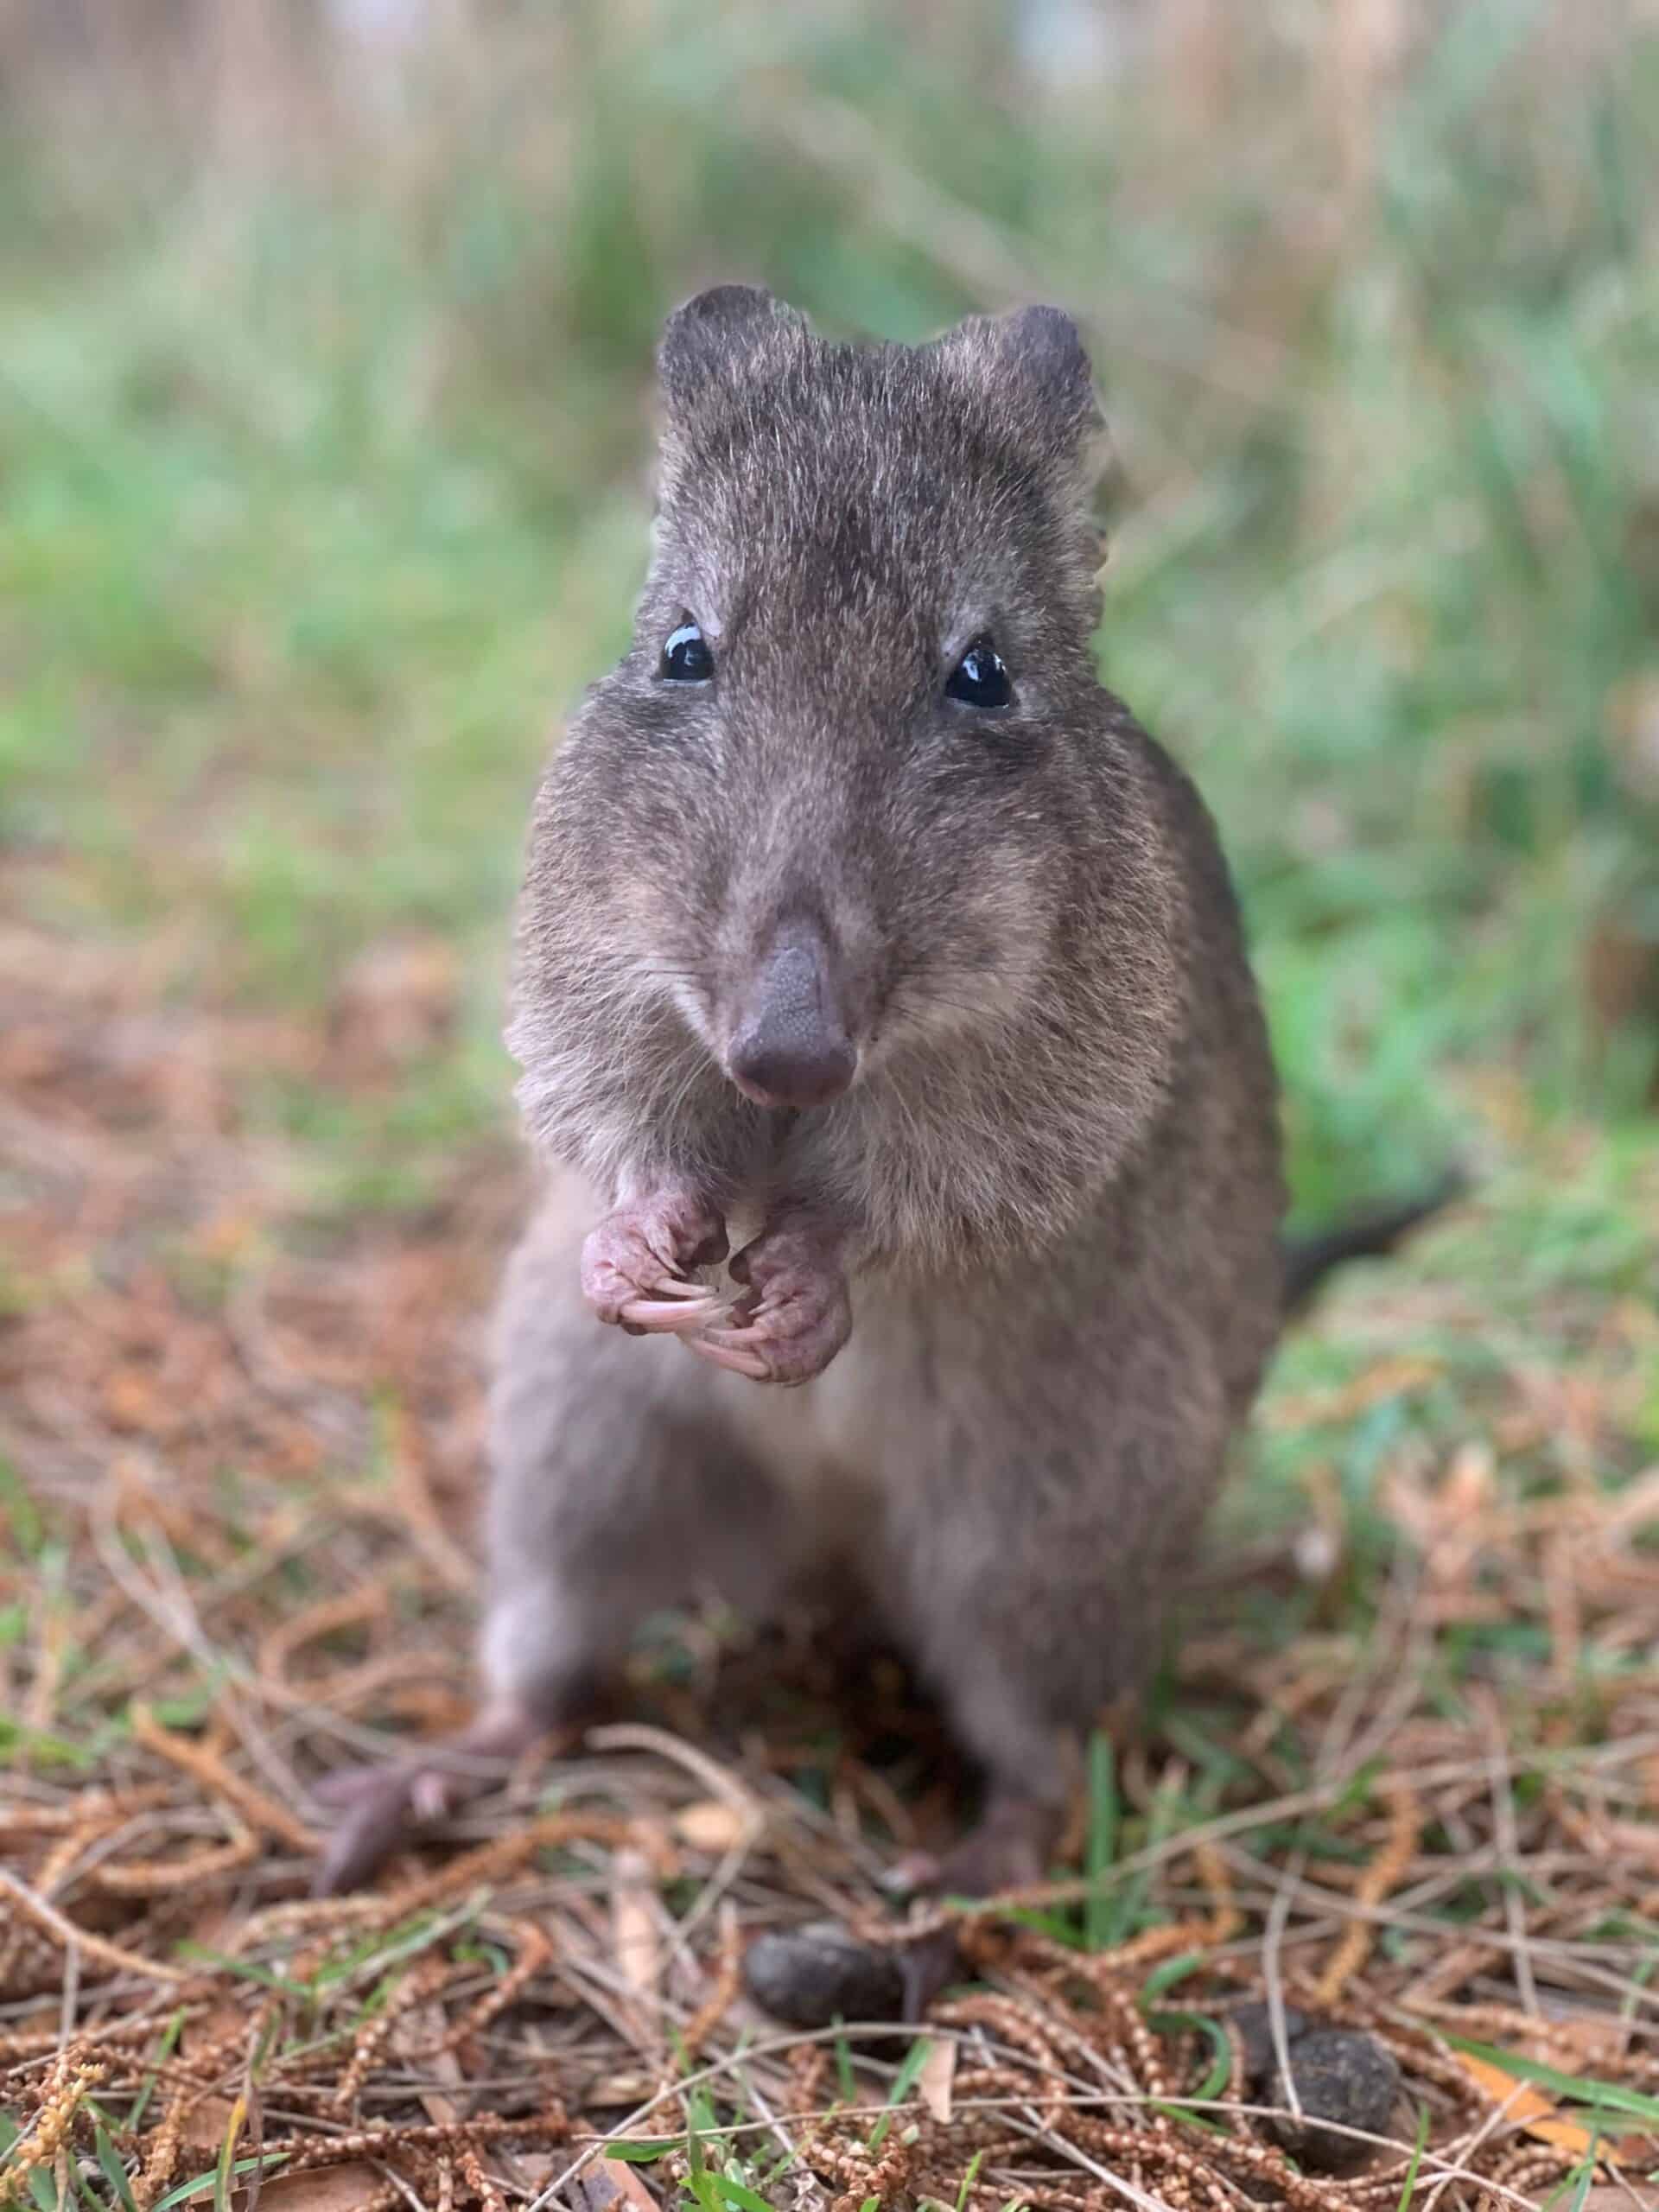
(911, 1188)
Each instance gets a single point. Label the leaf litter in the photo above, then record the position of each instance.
(238, 1442)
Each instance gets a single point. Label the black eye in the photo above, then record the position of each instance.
(979, 678)
(686, 657)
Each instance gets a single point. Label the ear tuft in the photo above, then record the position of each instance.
(1034, 364)
(714, 334)
(1046, 343)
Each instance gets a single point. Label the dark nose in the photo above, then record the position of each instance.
(790, 1046)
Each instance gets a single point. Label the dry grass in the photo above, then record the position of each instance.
(200, 1617)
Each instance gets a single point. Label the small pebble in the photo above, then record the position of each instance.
(1341, 2075)
(809, 1977)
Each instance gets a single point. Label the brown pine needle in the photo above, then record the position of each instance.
(1377, 1881)
(260, 1811)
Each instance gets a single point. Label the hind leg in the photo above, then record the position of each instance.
(1018, 1703)
(616, 1491)
(1036, 1557)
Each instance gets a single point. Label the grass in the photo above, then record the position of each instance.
(321, 493)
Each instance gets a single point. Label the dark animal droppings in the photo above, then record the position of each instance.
(810, 1977)
(1341, 2075)
(1255, 2024)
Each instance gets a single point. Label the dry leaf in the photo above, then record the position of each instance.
(415, 2035)
(636, 1939)
(611, 2184)
(633, 1920)
(712, 1826)
(1527, 2105)
(938, 2071)
(325, 2188)
(629, 2086)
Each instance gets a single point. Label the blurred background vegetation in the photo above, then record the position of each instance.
(325, 362)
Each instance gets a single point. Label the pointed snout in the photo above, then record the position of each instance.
(789, 1043)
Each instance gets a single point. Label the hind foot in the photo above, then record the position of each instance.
(380, 1805)
(1007, 1850)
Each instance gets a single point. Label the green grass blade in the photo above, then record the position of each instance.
(903, 2082)
(969, 2179)
(1409, 2186)
(1572, 2089)
(1101, 1908)
(740, 2194)
(114, 2172)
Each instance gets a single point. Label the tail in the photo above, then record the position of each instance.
(1308, 1260)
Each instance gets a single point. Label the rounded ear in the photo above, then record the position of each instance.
(1034, 367)
(714, 334)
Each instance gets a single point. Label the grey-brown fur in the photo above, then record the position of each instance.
(1045, 1210)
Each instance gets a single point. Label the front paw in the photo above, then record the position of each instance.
(796, 1314)
(635, 1265)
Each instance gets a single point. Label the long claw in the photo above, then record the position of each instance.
(740, 1362)
(674, 1286)
(737, 1339)
(671, 1313)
